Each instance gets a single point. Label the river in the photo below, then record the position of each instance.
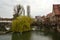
(34, 35)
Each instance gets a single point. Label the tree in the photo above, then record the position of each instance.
(21, 23)
(18, 10)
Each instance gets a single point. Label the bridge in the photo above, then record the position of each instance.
(5, 24)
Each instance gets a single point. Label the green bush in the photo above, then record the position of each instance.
(21, 23)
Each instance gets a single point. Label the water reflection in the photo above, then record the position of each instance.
(36, 35)
(56, 36)
(23, 36)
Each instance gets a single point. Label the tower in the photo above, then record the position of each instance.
(28, 11)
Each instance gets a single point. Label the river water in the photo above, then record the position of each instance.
(34, 35)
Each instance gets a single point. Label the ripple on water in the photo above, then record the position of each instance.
(34, 36)
(5, 37)
(37, 36)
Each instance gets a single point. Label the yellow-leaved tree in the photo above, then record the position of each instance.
(21, 24)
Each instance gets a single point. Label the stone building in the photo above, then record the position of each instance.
(54, 17)
(56, 12)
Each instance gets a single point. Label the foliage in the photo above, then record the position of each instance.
(21, 23)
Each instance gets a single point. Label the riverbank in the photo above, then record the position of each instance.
(4, 32)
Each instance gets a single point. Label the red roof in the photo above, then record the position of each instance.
(56, 9)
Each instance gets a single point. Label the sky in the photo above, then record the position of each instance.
(37, 7)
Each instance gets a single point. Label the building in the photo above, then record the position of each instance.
(55, 16)
(56, 9)
(28, 10)
(5, 23)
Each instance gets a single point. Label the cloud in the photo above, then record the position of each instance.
(38, 7)
(6, 8)
(56, 2)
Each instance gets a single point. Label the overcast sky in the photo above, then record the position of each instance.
(38, 7)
